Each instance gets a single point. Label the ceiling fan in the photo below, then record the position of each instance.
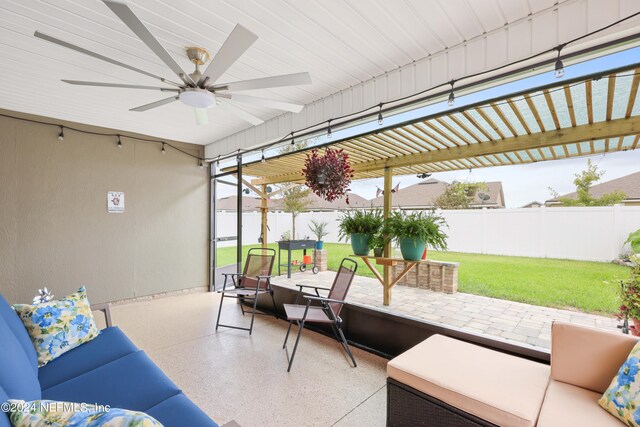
(198, 89)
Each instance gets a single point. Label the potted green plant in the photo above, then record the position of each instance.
(416, 231)
(630, 296)
(319, 228)
(360, 226)
(377, 243)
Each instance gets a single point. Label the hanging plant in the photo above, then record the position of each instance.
(328, 176)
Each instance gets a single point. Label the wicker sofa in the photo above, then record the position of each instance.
(446, 382)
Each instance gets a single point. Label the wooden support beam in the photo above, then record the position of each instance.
(252, 187)
(264, 209)
(388, 175)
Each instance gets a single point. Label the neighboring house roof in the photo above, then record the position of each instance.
(534, 204)
(629, 185)
(316, 203)
(424, 194)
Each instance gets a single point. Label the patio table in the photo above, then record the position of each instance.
(389, 282)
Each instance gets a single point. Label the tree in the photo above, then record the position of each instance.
(583, 182)
(295, 199)
(459, 195)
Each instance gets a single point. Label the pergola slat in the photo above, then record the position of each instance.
(518, 115)
(487, 119)
(589, 98)
(552, 108)
(569, 99)
(611, 87)
(506, 121)
(633, 93)
(442, 134)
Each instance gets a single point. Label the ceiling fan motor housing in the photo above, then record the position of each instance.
(197, 98)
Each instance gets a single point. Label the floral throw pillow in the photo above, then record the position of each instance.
(622, 398)
(49, 413)
(56, 327)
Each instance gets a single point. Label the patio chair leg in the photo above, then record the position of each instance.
(273, 300)
(295, 346)
(219, 311)
(345, 345)
(253, 313)
(287, 336)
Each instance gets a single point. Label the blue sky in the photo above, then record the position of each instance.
(522, 183)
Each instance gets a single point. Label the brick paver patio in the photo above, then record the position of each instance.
(524, 323)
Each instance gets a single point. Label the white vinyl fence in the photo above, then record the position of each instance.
(580, 233)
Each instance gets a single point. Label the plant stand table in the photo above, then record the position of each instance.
(294, 245)
(387, 285)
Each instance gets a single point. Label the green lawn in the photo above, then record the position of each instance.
(547, 282)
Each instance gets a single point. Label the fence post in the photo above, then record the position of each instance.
(617, 239)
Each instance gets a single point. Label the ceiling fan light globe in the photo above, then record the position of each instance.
(198, 98)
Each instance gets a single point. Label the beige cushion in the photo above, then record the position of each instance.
(568, 405)
(502, 389)
(587, 357)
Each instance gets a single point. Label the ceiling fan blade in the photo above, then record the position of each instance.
(228, 106)
(127, 16)
(98, 56)
(202, 116)
(124, 86)
(266, 82)
(268, 103)
(155, 104)
(233, 47)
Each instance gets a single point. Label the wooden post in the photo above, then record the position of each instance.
(264, 209)
(387, 249)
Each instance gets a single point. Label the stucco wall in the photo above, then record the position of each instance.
(55, 230)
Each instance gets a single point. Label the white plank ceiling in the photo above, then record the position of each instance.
(343, 44)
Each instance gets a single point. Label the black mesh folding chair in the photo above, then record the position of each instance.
(254, 281)
(328, 312)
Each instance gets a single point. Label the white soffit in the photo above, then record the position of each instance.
(359, 52)
(456, 37)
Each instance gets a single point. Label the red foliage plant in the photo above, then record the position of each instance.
(328, 176)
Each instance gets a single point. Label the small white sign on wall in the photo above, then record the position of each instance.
(115, 201)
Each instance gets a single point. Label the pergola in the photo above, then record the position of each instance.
(584, 116)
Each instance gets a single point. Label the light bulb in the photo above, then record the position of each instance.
(559, 68)
(163, 150)
(452, 98)
(119, 142)
(61, 135)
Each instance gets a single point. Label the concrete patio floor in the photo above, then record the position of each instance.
(514, 321)
(234, 376)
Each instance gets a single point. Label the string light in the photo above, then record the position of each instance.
(218, 161)
(293, 141)
(559, 73)
(263, 159)
(119, 142)
(61, 134)
(201, 164)
(452, 96)
(380, 118)
(329, 129)
(163, 150)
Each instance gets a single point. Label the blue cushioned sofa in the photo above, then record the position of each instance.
(109, 370)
